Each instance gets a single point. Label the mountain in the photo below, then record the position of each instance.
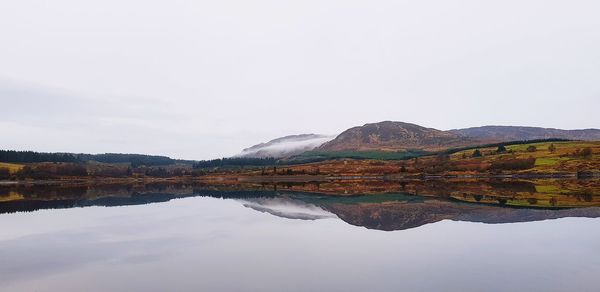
(285, 146)
(399, 136)
(510, 133)
(393, 136)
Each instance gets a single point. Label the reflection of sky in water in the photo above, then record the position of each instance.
(208, 244)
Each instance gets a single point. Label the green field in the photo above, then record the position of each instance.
(548, 189)
(549, 161)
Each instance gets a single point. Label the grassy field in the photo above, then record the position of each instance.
(11, 166)
(563, 158)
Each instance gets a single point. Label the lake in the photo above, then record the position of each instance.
(207, 239)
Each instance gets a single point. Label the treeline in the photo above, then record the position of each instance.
(377, 155)
(31, 156)
(44, 171)
(513, 164)
(134, 159)
(235, 162)
(57, 170)
(443, 163)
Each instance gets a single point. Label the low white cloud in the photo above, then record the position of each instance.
(286, 146)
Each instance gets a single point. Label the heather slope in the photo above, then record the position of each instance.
(511, 133)
(393, 136)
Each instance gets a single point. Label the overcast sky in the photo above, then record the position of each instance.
(204, 79)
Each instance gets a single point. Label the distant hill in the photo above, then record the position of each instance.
(394, 136)
(510, 133)
(133, 159)
(398, 136)
(285, 146)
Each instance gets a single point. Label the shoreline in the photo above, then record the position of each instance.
(240, 179)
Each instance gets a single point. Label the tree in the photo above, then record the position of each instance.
(531, 148)
(501, 149)
(552, 148)
(513, 164)
(476, 153)
(586, 152)
(4, 173)
(442, 157)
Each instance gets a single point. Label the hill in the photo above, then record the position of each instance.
(510, 133)
(394, 136)
(134, 159)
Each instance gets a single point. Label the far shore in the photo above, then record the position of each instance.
(235, 179)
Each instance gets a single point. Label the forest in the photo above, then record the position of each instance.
(12, 156)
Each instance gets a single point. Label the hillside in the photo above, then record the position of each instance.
(569, 157)
(399, 140)
(510, 133)
(394, 136)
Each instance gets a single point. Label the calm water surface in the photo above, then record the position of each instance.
(299, 243)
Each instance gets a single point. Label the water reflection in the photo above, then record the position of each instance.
(256, 238)
(286, 206)
(387, 206)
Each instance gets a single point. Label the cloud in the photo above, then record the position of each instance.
(286, 146)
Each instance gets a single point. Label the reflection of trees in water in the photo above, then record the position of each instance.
(585, 197)
(426, 201)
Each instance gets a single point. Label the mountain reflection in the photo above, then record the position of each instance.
(373, 204)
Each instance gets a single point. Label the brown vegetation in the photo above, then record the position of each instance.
(574, 158)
